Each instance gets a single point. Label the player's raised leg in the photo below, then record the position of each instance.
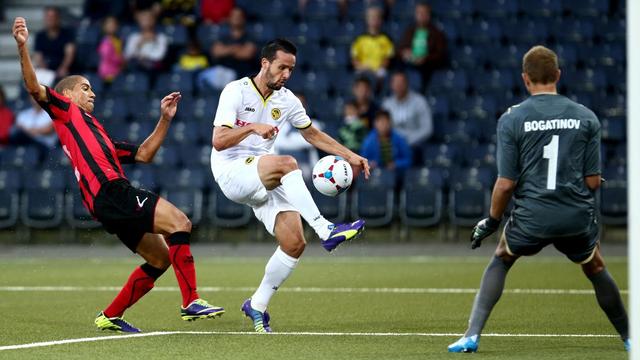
(289, 233)
(176, 228)
(154, 250)
(491, 288)
(608, 295)
(283, 171)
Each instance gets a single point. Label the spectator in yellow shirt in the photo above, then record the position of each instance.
(372, 51)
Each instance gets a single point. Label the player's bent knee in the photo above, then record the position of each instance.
(294, 249)
(288, 164)
(161, 263)
(181, 223)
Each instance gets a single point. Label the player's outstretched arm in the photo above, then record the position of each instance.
(326, 143)
(149, 147)
(21, 35)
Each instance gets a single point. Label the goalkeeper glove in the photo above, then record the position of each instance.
(483, 228)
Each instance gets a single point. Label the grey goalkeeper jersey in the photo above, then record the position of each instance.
(548, 144)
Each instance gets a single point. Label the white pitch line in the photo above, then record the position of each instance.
(310, 290)
(246, 333)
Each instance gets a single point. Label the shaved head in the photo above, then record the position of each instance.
(68, 83)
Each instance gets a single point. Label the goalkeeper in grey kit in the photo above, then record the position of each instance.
(549, 160)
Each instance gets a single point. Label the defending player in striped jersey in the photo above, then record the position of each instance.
(549, 160)
(251, 112)
(142, 220)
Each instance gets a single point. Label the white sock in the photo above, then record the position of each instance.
(278, 269)
(300, 197)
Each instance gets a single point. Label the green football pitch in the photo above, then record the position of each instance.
(332, 307)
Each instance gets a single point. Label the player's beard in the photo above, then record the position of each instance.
(271, 84)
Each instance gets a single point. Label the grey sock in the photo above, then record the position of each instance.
(610, 301)
(490, 290)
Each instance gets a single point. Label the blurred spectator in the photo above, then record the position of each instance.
(411, 114)
(236, 50)
(146, 49)
(54, 47)
(353, 130)
(97, 10)
(178, 11)
(290, 142)
(110, 51)
(6, 119)
(386, 148)
(34, 127)
(363, 98)
(424, 46)
(193, 58)
(372, 51)
(215, 11)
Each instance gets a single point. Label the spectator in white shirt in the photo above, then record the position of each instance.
(411, 114)
(33, 126)
(145, 50)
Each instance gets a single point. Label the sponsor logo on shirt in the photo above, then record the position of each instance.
(249, 160)
(275, 114)
(249, 109)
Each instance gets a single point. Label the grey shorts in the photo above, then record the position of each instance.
(579, 248)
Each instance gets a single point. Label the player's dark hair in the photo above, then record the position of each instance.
(541, 65)
(362, 79)
(271, 48)
(67, 83)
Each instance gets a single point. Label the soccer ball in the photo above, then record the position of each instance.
(332, 175)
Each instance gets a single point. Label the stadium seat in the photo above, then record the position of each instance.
(194, 155)
(481, 32)
(76, 214)
(166, 157)
(10, 185)
(613, 129)
(177, 81)
(321, 10)
(19, 157)
(306, 33)
(188, 200)
(141, 176)
(333, 209)
(454, 9)
(42, 203)
(483, 175)
(207, 34)
(613, 204)
(442, 155)
(225, 213)
(130, 84)
(468, 203)
(501, 9)
(185, 132)
(586, 8)
(455, 81)
(176, 35)
(542, 8)
(373, 199)
(480, 155)
(421, 199)
(262, 31)
(184, 178)
(204, 108)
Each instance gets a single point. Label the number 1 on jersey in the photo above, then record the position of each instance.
(551, 153)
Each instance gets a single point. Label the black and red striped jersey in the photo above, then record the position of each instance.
(95, 157)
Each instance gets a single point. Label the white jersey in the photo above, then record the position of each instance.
(242, 104)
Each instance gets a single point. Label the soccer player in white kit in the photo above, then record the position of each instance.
(250, 113)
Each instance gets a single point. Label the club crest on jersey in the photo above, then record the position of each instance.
(249, 160)
(275, 114)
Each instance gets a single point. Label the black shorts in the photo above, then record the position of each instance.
(578, 248)
(125, 211)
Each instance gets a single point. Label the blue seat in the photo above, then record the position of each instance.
(19, 157)
(613, 204)
(480, 155)
(439, 106)
(42, 200)
(88, 34)
(306, 32)
(166, 158)
(176, 35)
(204, 108)
(501, 9)
(181, 81)
(111, 107)
(141, 176)
(470, 176)
(455, 9)
(130, 84)
(526, 31)
(76, 214)
(451, 80)
(613, 128)
(509, 56)
(481, 32)
(586, 8)
(468, 203)
(461, 131)
(184, 132)
(576, 30)
(262, 31)
(10, 185)
(188, 200)
(184, 178)
(441, 155)
(321, 10)
(193, 155)
(373, 199)
(207, 34)
(421, 199)
(469, 57)
(542, 8)
(335, 57)
(225, 213)
(334, 208)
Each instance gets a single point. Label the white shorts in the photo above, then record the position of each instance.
(240, 182)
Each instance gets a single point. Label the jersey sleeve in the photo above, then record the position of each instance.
(56, 105)
(228, 106)
(299, 118)
(592, 152)
(507, 153)
(126, 152)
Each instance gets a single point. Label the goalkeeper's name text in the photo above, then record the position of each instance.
(554, 124)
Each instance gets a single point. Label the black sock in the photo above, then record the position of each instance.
(610, 301)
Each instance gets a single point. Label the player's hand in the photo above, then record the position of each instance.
(169, 105)
(360, 164)
(483, 228)
(20, 31)
(265, 131)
